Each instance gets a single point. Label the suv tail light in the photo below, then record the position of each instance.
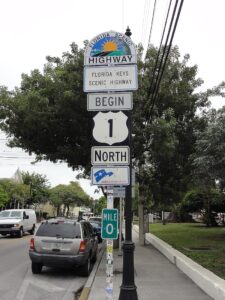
(32, 244)
(82, 246)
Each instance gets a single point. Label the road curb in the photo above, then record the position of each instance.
(87, 287)
(210, 283)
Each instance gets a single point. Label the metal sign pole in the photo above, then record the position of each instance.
(109, 257)
(120, 228)
(128, 289)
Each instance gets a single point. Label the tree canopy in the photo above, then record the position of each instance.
(4, 197)
(63, 197)
(38, 187)
(16, 192)
(47, 115)
(165, 127)
(206, 202)
(209, 158)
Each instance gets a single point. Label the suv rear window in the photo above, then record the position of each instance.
(64, 230)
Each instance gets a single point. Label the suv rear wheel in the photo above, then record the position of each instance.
(94, 258)
(36, 268)
(85, 269)
(32, 230)
(20, 233)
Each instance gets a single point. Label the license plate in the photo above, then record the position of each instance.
(57, 245)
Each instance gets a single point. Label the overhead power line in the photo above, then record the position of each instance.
(158, 71)
(159, 51)
(145, 21)
(152, 22)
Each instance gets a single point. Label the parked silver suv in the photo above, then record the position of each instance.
(63, 242)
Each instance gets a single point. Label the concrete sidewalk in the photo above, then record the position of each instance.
(156, 277)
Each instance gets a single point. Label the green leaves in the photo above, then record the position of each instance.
(208, 159)
(47, 115)
(66, 196)
(165, 129)
(4, 197)
(12, 191)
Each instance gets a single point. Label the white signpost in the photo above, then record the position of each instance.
(110, 127)
(110, 155)
(109, 101)
(110, 66)
(116, 78)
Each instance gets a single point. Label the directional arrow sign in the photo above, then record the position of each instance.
(104, 175)
(109, 223)
(110, 127)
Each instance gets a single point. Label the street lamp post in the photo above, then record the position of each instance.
(128, 289)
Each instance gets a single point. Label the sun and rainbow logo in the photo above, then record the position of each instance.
(110, 46)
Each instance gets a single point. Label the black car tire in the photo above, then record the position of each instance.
(32, 230)
(20, 233)
(85, 269)
(36, 268)
(94, 258)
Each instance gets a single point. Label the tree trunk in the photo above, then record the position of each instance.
(141, 224)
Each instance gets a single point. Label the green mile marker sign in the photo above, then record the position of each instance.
(110, 223)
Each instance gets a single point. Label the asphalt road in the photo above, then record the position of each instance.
(18, 283)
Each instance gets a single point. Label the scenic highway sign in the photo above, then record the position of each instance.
(105, 175)
(110, 48)
(110, 78)
(109, 101)
(109, 223)
(110, 155)
(110, 128)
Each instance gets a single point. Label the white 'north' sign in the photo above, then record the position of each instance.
(110, 175)
(117, 78)
(109, 101)
(110, 127)
(110, 155)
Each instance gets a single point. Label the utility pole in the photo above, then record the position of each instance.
(128, 289)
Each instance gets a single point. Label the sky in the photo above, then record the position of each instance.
(33, 29)
(12, 159)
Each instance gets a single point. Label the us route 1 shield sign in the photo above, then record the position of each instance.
(110, 127)
(106, 176)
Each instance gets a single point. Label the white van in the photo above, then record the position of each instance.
(17, 221)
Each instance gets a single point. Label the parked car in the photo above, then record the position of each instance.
(63, 243)
(97, 229)
(95, 219)
(17, 221)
